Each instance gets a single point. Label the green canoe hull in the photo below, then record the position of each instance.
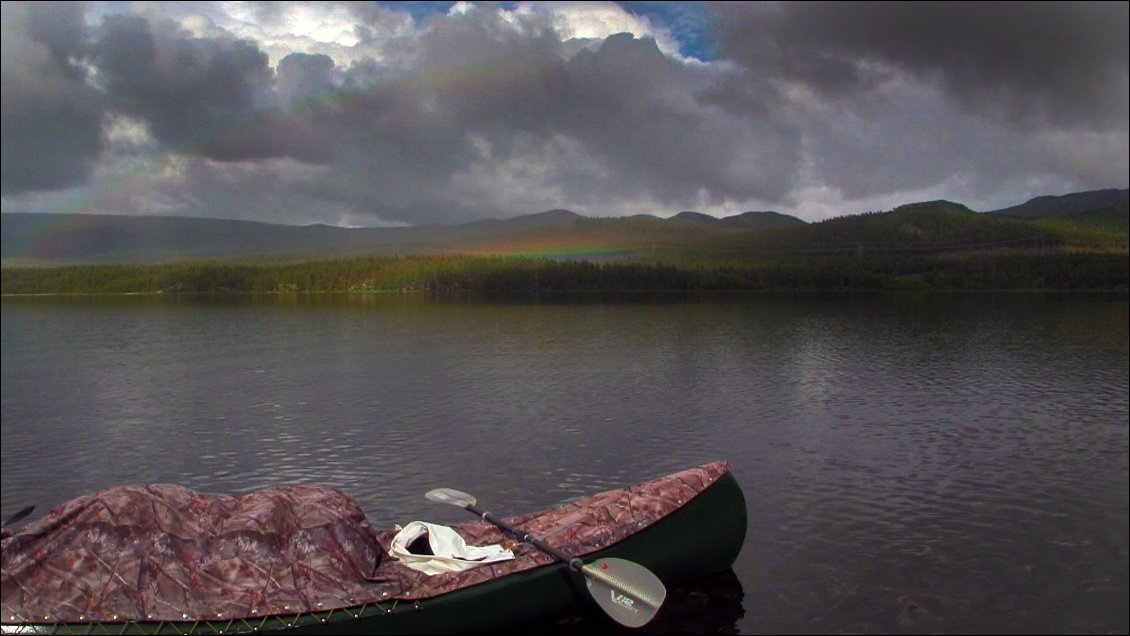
(702, 537)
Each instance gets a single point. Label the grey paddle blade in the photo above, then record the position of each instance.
(449, 496)
(626, 591)
(16, 517)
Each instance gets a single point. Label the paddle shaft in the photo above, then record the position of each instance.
(573, 562)
(526, 537)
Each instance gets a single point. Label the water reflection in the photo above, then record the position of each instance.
(946, 463)
(706, 605)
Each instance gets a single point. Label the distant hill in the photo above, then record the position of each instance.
(924, 225)
(45, 239)
(548, 219)
(745, 220)
(926, 245)
(762, 221)
(50, 239)
(695, 217)
(78, 238)
(1068, 204)
(932, 226)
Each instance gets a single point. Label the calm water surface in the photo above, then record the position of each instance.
(946, 463)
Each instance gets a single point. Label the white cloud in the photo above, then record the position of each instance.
(346, 31)
(596, 21)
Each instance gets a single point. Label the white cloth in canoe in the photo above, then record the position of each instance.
(450, 553)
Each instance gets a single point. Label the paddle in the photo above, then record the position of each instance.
(626, 591)
(16, 517)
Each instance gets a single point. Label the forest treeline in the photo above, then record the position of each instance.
(991, 269)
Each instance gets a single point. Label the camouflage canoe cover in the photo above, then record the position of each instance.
(166, 553)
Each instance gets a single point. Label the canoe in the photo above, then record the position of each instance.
(160, 559)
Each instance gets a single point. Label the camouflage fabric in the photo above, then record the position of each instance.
(166, 553)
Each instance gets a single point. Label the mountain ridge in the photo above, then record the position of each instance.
(1067, 204)
(55, 239)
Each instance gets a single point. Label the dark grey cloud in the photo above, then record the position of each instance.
(908, 96)
(636, 109)
(301, 75)
(478, 114)
(59, 27)
(486, 106)
(627, 110)
(1025, 63)
(51, 119)
(191, 91)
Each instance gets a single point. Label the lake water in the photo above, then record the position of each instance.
(937, 463)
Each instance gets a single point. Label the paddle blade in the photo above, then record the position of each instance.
(628, 592)
(449, 496)
(16, 517)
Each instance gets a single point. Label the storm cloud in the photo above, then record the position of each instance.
(366, 114)
(51, 118)
(981, 97)
(1027, 64)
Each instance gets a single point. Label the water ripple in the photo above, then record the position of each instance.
(954, 466)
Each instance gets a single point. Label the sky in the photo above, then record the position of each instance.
(390, 114)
